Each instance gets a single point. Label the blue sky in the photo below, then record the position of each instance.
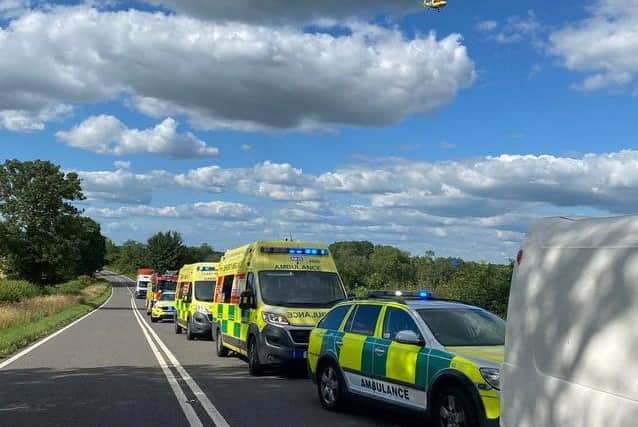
(236, 120)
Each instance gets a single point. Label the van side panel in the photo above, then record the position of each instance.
(572, 337)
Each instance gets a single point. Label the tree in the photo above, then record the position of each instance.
(39, 224)
(166, 251)
(202, 253)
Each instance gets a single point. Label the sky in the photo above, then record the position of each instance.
(236, 120)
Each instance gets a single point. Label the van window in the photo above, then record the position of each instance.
(365, 319)
(334, 318)
(250, 283)
(227, 288)
(204, 291)
(300, 288)
(464, 327)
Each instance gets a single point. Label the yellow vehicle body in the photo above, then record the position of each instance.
(163, 309)
(194, 299)
(277, 281)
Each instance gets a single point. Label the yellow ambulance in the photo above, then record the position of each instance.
(269, 296)
(194, 299)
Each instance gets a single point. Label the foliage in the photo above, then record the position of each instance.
(364, 266)
(17, 290)
(45, 240)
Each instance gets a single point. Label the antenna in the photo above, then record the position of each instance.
(291, 236)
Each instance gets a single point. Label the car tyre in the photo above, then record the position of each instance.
(331, 386)
(454, 408)
(219, 345)
(189, 330)
(154, 319)
(178, 329)
(254, 366)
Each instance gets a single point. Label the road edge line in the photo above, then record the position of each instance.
(189, 411)
(51, 336)
(208, 406)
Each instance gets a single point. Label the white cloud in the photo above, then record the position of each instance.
(245, 147)
(13, 8)
(515, 29)
(604, 46)
(107, 135)
(488, 25)
(228, 75)
(218, 210)
(29, 121)
(122, 185)
(286, 11)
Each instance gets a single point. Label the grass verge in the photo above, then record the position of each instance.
(32, 319)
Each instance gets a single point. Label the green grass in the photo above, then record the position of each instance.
(20, 335)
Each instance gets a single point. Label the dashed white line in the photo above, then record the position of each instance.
(208, 406)
(188, 410)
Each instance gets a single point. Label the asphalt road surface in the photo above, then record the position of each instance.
(115, 368)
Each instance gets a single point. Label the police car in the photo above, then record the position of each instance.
(413, 350)
(164, 308)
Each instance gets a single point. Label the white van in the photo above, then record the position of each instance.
(571, 348)
(141, 284)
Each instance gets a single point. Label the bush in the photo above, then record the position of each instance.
(17, 290)
(72, 287)
(85, 280)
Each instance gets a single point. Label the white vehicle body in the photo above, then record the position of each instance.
(571, 350)
(141, 284)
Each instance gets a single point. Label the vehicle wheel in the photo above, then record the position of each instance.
(254, 367)
(154, 319)
(453, 408)
(178, 329)
(189, 330)
(149, 307)
(331, 386)
(219, 345)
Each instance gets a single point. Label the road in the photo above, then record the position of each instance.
(115, 368)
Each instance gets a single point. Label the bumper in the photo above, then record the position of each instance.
(201, 324)
(492, 423)
(163, 315)
(277, 348)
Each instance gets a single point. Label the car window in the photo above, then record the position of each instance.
(397, 320)
(333, 319)
(365, 319)
(464, 327)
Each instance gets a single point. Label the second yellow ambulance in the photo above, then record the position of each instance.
(269, 296)
(194, 299)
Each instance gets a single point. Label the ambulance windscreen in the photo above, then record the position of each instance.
(204, 291)
(300, 288)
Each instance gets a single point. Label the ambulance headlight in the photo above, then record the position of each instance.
(202, 309)
(274, 319)
(492, 377)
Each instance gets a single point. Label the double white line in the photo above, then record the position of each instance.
(189, 412)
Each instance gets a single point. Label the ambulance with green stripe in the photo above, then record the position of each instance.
(194, 299)
(412, 350)
(269, 296)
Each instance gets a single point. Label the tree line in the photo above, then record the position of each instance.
(163, 251)
(365, 266)
(44, 238)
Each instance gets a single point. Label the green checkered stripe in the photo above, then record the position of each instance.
(230, 320)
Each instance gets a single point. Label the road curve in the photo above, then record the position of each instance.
(115, 368)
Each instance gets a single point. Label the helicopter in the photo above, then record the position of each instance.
(435, 4)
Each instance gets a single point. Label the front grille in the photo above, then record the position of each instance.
(300, 335)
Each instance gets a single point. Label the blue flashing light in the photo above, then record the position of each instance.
(314, 251)
(424, 295)
(291, 251)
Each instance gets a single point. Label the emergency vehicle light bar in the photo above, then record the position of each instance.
(205, 268)
(295, 251)
(401, 294)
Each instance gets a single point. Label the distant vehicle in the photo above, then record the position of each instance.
(164, 307)
(570, 350)
(413, 351)
(143, 279)
(269, 296)
(435, 4)
(166, 282)
(194, 299)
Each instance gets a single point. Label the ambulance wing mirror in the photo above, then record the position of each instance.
(246, 300)
(409, 337)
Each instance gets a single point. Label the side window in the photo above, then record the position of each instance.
(333, 319)
(227, 288)
(365, 319)
(397, 320)
(250, 283)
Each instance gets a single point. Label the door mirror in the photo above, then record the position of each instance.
(409, 337)
(246, 300)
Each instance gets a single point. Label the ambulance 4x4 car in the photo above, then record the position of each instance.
(412, 350)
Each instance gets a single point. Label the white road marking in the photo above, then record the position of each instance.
(208, 406)
(53, 335)
(188, 410)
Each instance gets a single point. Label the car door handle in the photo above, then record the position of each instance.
(379, 351)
